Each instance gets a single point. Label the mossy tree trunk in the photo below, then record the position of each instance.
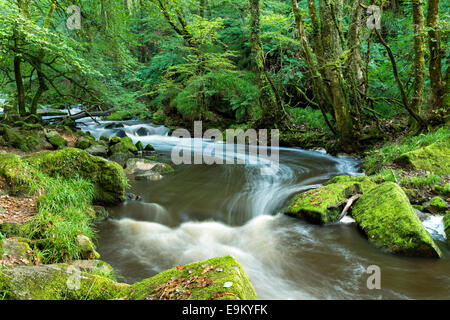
(338, 97)
(419, 59)
(434, 44)
(269, 100)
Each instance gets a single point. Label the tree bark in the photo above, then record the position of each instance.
(419, 59)
(434, 44)
(339, 101)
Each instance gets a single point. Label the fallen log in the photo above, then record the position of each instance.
(85, 114)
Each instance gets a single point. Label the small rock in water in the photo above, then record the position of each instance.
(132, 196)
(142, 132)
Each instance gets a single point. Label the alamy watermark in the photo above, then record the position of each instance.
(241, 147)
(74, 21)
(374, 280)
(374, 19)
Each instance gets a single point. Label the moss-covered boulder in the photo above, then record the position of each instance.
(87, 248)
(83, 143)
(436, 205)
(56, 140)
(321, 206)
(56, 282)
(385, 215)
(21, 179)
(220, 278)
(434, 158)
(139, 146)
(11, 229)
(125, 145)
(12, 138)
(443, 190)
(16, 251)
(96, 267)
(107, 176)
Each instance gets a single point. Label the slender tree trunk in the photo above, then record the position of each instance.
(419, 58)
(340, 104)
(320, 93)
(412, 113)
(434, 44)
(270, 104)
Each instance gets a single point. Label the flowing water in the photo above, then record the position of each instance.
(204, 211)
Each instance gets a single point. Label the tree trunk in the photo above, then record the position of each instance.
(268, 97)
(419, 59)
(339, 101)
(434, 44)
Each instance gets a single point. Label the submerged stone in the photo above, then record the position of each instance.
(385, 215)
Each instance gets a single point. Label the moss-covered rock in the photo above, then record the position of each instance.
(11, 229)
(96, 267)
(436, 205)
(12, 138)
(20, 177)
(139, 146)
(16, 251)
(319, 205)
(443, 190)
(87, 248)
(226, 280)
(58, 142)
(56, 282)
(107, 176)
(434, 158)
(141, 166)
(125, 146)
(385, 215)
(83, 143)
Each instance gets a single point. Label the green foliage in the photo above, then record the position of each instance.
(378, 158)
(64, 212)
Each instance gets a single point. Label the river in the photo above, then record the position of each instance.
(203, 211)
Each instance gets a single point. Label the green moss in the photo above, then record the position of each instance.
(139, 146)
(434, 158)
(83, 143)
(316, 206)
(107, 176)
(56, 282)
(418, 207)
(17, 249)
(20, 178)
(444, 190)
(125, 145)
(58, 142)
(13, 138)
(385, 215)
(16, 229)
(438, 202)
(232, 271)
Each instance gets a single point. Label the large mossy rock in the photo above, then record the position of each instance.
(20, 177)
(56, 282)
(319, 205)
(107, 176)
(25, 139)
(434, 158)
(215, 279)
(385, 215)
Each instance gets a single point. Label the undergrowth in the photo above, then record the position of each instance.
(377, 159)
